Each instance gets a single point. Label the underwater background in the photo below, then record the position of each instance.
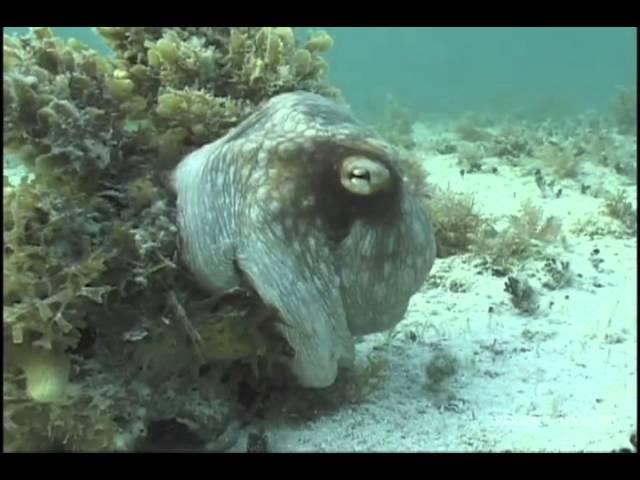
(534, 70)
(495, 311)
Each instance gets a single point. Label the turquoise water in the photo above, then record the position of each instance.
(453, 70)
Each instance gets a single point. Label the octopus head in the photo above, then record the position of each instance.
(313, 210)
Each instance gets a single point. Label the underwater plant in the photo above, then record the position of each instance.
(472, 128)
(440, 367)
(470, 158)
(513, 142)
(562, 160)
(625, 110)
(397, 122)
(618, 205)
(456, 221)
(525, 236)
(93, 287)
(522, 295)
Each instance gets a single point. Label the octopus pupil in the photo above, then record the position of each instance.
(363, 174)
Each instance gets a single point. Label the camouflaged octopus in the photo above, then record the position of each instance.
(317, 213)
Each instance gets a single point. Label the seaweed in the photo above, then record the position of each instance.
(397, 122)
(618, 206)
(96, 350)
(511, 142)
(197, 82)
(559, 274)
(524, 237)
(625, 110)
(563, 161)
(522, 295)
(471, 128)
(440, 368)
(456, 222)
(470, 158)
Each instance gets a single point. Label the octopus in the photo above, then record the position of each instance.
(314, 211)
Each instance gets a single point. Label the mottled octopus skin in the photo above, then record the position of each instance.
(265, 205)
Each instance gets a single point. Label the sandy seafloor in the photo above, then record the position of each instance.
(562, 380)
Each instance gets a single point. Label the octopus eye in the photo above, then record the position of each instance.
(362, 176)
(360, 173)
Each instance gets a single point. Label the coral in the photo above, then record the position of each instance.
(90, 238)
(510, 142)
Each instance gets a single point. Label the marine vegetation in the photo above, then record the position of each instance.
(457, 222)
(525, 235)
(95, 299)
(472, 128)
(109, 339)
(397, 122)
(563, 161)
(625, 110)
(618, 205)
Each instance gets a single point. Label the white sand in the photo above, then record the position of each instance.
(561, 380)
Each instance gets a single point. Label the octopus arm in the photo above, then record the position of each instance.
(309, 302)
